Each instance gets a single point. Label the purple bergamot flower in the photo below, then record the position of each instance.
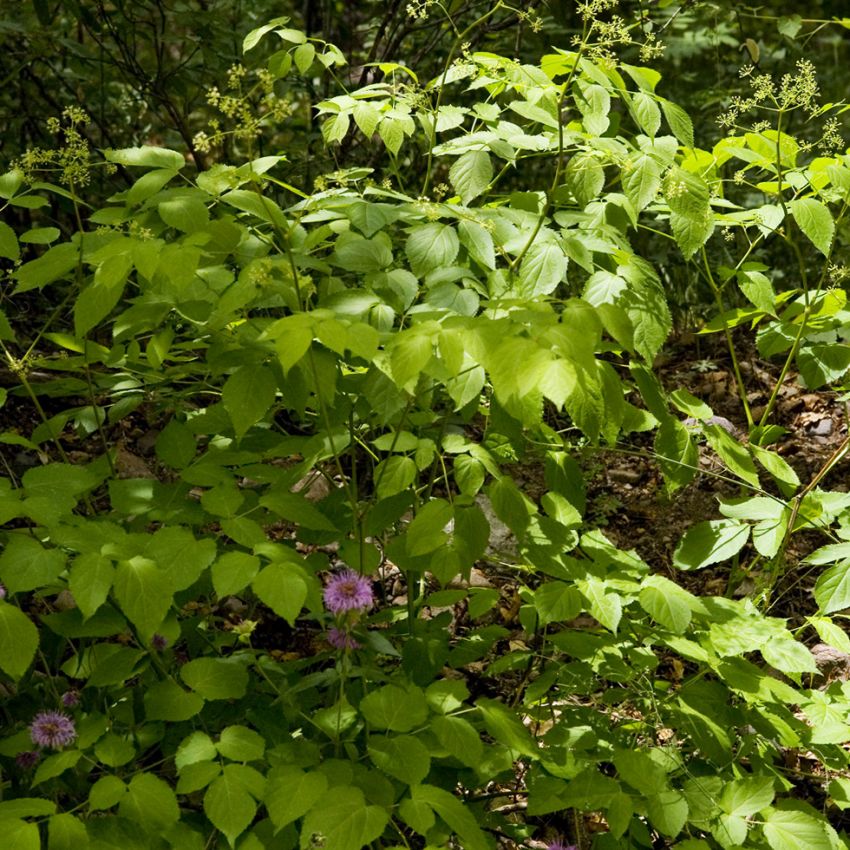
(52, 729)
(159, 642)
(70, 698)
(348, 591)
(27, 760)
(340, 639)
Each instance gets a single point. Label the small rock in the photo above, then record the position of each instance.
(625, 475)
(823, 428)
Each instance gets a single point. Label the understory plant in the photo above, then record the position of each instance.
(266, 632)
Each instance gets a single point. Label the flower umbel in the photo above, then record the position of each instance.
(52, 729)
(348, 591)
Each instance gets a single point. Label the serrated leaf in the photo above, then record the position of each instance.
(282, 587)
(143, 592)
(403, 757)
(291, 793)
(789, 830)
(431, 246)
(394, 707)
(832, 589)
(229, 806)
(679, 122)
(646, 113)
(709, 543)
(666, 602)
(455, 814)
(18, 640)
(90, 581)
(605, 605)
(642, 181)
(247, 395)
(471, 174)
(215, 678)
(460, 738)
(8, 242)
(815, 220)
(542, 269)
(345, 821)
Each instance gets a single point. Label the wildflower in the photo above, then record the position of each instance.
(52, 729)
(348, 591)
(2, 591)
(70, 698)
(558, 845)
(341, 640)
(159, 642)
(27, 759)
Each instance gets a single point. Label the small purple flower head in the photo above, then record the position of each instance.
(2, 590)
(342, 640)
(159, 642)
(27, 760)
(348, 591)
(52, 729)
(71, 698)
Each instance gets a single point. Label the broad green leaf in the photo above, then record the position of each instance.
(679, 122)
(815, 220)
(56, 263)
(557, 602)
(431, 246)
(404, 757)
(176, 445)
(26, 807)
(646, 113)
(229, 806)
(732, 453)
(832, 589)
(642, 181)
(542, 269)
(668, 812)
(479, 242)
(356, 253)
(789, 830)
(184, 213)
(247, 394)
(296, 509)
(18, 640)
(344, 820)
(823, 364)
(505, 726)
(666, 602)
(584, 177)
(150, 801)
(745, 797)
(146, 156)
(400, 709)
(394, 475)
(427, 531)
(239, 743)
(106, 793)
(304, 55)
(66, 832)
(460, 738)
(98, 298)
(455, 814)
(677, 453)
(282, 587)
(216, 678)
(291, 793)
(90, 581)
(641, 771)
(709, 543)
(233, 572)
(779, 468)
(149, 184)
(143, 592)
(20, 835)
(594, 105)
(471, 174)
(194, 749)
(8, 242)
(56, 765)
(26, 565)
(606, 606)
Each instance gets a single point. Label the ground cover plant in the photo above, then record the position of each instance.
(302, 544)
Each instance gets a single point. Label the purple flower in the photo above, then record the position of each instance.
(339, 639)
(559, 845)
(70, 698)
(52, 729)
(28, 759)
(2, 590)
(159, 642)
(348, 591)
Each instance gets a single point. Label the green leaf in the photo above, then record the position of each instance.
(679, 122)
(291, 793)
(455, 814)
(26, 565)
(344, 821)
(297, 509)
(229, 806)
(283, 588)
(20, 835)
(557, 602)
(18, 640)
(641, 771)
(426, 533)
(431, 246)
(247, 394)
(404, 757)
(304, 55)
(594, 105)
(709, 543)
(56, 765)
(748, 796)
(184, 213)
(471, 174)
(175, 445)
(504, 725)
(216, 678)
(113, 750)
(542, 269)
(815, 220)
(645, 111)
(239, 743)
(66, 832)
(355, 253)
(143, 592)
(823, 364)
(146, 156)
(832, 589)
(460, 738)
(400, 709)
(789, 830)
(150, 801)
(8, 243)
(54, 264)
(585, 178)
(668, 812)
(666, 602)
(789, 25)
(90, 581)
(233, 572)
(605, 605)
(106, 793)
(642, 181)
(732, 453)
(194, 749)
(149, 184)
(479, 242)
